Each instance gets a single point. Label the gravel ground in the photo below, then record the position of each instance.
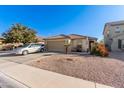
(108, 71)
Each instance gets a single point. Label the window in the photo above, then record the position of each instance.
(67, 42)
(117, 30)
(42, 45)
(79, 42)
(35, 45)
(122, 46)
(32, 46)
(107, 33)
(25, 45)
(111, 39)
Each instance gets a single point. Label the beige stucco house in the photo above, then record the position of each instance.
(1, 40)
(76, 42)
(114, 35)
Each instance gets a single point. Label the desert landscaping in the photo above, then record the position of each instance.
(108, 71)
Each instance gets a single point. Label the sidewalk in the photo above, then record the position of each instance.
(38, 78)
(7, 82)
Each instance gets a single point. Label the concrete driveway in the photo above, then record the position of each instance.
(117, 55)
(9, 56)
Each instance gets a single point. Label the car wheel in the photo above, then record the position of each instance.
(42, 50)
(25, 52)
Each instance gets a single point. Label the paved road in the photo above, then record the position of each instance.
(9, 56)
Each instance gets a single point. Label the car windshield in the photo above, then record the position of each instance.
(25, 45)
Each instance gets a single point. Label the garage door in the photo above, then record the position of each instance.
(57, 46)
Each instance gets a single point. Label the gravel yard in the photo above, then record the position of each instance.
(108, 71)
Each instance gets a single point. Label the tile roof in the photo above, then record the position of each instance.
(71, 36)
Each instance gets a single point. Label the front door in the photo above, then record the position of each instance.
(119, 43)
(91, 45)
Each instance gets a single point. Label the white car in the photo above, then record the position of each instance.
(29, 48)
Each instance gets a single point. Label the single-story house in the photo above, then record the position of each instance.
(75, 43)
(114, 35)
(1, 40)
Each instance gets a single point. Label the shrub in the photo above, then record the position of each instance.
(99, 50)
(8, 47)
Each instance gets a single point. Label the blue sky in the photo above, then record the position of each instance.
(53, 20)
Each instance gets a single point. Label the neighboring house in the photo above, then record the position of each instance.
(114, 35)
(1, 40)
(78, 43)
(1, 43)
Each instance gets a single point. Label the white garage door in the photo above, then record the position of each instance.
(57, 46)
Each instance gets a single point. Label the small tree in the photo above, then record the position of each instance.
(19, 34)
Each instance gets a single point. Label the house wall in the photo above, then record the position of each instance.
(116, 30)
(112, 34)
(107, 36)
(1, 41)
(58, 44)
(114, 45)
(83, 42)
